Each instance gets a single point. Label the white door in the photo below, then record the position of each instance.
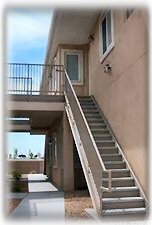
(73, 62)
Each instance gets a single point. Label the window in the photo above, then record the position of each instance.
(129, 12)
(72, 67)
(106, 34)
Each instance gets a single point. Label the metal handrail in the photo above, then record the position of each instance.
(121, 151)
(98, 156)
(25, 78)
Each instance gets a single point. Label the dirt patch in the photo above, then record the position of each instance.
(75, 207)
(11, 205)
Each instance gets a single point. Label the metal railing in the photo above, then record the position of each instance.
(90, 157)
(34, 79)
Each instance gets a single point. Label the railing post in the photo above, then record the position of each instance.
(110, 180)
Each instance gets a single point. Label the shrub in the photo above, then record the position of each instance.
(17, 175)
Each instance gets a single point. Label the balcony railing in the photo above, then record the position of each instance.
(34, 79)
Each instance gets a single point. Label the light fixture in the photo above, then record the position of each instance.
(107, 68)
(91, 38)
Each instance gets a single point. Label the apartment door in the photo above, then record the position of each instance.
(73, 61)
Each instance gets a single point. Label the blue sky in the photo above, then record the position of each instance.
(27, 36)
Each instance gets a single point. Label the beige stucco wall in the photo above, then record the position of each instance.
(123, 94)
(25, 166)
(61, 174)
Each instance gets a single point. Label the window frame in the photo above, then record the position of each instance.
(103, 15)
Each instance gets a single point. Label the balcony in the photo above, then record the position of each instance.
(34, 91)
(34, 79)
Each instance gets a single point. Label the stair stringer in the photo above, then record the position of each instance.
(122, 153)
(84, 162)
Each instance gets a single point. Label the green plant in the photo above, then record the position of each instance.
(17, 175)
(31, 155)
(16, 188)
(15, 154)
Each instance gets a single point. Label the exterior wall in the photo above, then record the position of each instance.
(54, 172)
(67, 174)
(62, 173)
(25, 166)
(123, 94)
(80, 89)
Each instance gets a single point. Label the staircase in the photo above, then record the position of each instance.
(125, 197)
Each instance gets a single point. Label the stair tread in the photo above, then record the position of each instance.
(102, 135)
(118, 178)
(114, 189)
(122, 211)
(108, 141)
(122, 199)
(98, 119)
(114, 162)
(108, 147)
(96, 122)
(111, 154)
(120, 170)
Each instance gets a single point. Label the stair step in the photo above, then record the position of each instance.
(105, 143)
(96, 124)
(85, 98)
(92, 114)
(119, 182)
(84, 106)
(111, 157)
(117, 173)
(103, 137)
(122, 203)
(92, 117)
(108, 150)
(99, 131)
(119, 192)
(127, 211)
(86, 103)
(115, 165)
(98, 135)
(86, 110)
(95, 120)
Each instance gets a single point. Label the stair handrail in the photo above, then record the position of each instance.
(122, 153)
(91, 137)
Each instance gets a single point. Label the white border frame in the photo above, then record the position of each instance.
(111, 46)
(79, 53)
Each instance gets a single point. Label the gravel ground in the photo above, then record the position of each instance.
(75, 207)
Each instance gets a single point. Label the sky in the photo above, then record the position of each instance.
(27, 36)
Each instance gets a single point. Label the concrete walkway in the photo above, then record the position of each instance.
(43, 201)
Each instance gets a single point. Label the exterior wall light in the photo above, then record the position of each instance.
(107, 68)
(91, 38)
